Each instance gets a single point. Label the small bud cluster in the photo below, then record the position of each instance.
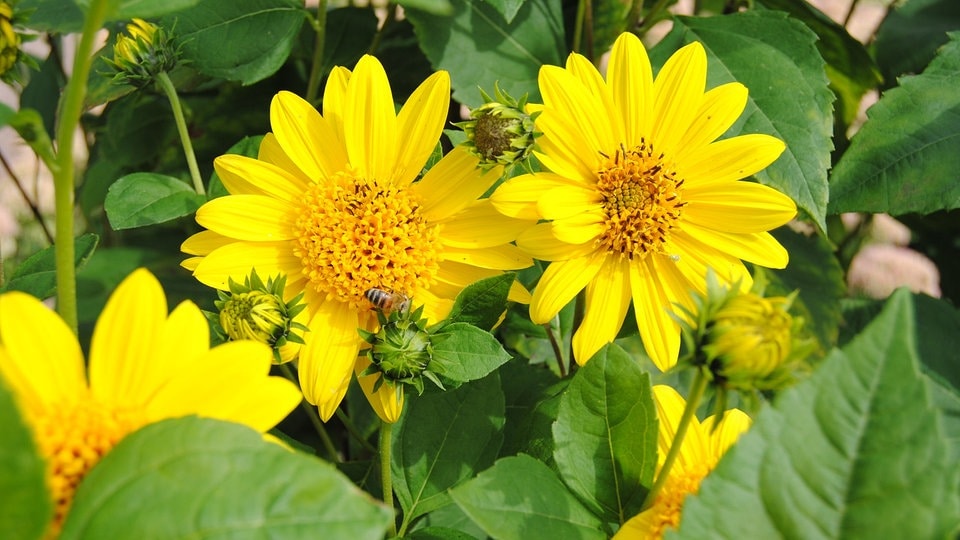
(142, 53)
(500, 132)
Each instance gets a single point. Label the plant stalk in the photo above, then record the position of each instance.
(167, 85)
(320, 29)
(386, 434)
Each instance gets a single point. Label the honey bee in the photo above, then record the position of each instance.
(387, 301)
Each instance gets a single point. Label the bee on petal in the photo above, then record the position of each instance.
(388, 301)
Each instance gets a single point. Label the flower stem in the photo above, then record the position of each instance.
(386, 432)
(167, 85)
(354, 431)
(64, 171)
(320, 29)
(689, 412)
(314, 419)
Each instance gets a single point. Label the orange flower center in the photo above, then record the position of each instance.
(354, 234)
(641, 201)
(668, 505)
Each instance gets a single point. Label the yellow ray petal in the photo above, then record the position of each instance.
(731, 159)
(631, 82)
(335, 98)
(670, 407)
(581, 228)
(420, 122)
(563, 149)
(370, 123)
(652, 300)
(480, 225)
(384, 401)
(678, 92)
(738, 207)
(567, 201)
(306, 137)
(255, 218)
(607, 299)
(720, 108)
(126, 337)
(518, 196)
(40, 358)
(584, 115)
(502, 257)
(327, 360)
(271, 152)
(759, 248)
(453, 276)
(243, 175)
(453, 183)
(561, 281)
(204, 242)
(694, 259)
(586, 73)
(237, 259)
(540, 243)
(191, 263)
(733, 424)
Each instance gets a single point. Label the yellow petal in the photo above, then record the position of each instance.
(502, 257)
(40, 358)
(518, 196)
(652, 301)
(243, 175)
(540, 243)
(738, 207)
(607, 299)
(335, 98)
(563, 149)
(204, 242)
(720, 108)
(567, 200)
(256, 218)
(631, 82)
(759, 248)
(384, 400)
(238, 258)
(733, 424)
(327, 360)
(420, 123)
(731, 159)
(670, 407)
(587, 74)
(370, 123)
(581, 228)
(480, 225)
(271, 152)
(560, 282)
(584, 115)
(191, 263)
(693, 259)
(678, 92)
(306, 137)
(452, 184)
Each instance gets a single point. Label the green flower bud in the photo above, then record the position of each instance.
(401, 350)
(144, 52)
(500, 132)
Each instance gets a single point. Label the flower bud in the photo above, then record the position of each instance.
(500, 132)
(9, 39)
(144, 52)
(401, 350)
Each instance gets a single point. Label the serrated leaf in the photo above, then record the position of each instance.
(909, 36)
(196, 478)
(482, 303)
(239, 40)
(606, 435)
(904, 158)
(509, 53)
(37, 275)
(463, 352)
(442, 439)
(25, 505)
(855, 451)
(141, 199)
(775, 58)
(520, 498)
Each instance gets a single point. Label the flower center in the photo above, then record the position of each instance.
(641, 201)
(354, 234)
(73, 438)
(668, 505)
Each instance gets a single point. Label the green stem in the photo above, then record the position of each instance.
(633, 17)
(386, 432)
(320, 29)
(557, 352)
(689, 413)
(653, 17)
(389, 20)
(167, 85)
(314, 418)
(354, 432)
(578, 26)
(849, 15)
(64, 171)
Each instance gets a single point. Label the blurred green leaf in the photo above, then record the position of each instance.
(349, 33)
(42, 93)
(136, 129)
(25, 505)
(509, 53)
(776, 59)
(434, 7)
(606, 435)
(462, 352)
(251, 488)
(855, 451)
(100, 86)
(237, 40)
(141, 199)
(37, 274)
(148, 9)
(29, 125)
(483, 303)
(520, 498)
(442, 439)
(909, 36)
(507, 8)
(56, 16)
(438, 533)
(904, 158)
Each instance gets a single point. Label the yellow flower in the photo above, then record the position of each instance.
(9, 39)
(141, 55)
(641, 199)
(700, 452)
(144, 367)
(332, 203)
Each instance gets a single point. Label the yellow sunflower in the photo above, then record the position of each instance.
(641, 199)
(144, 367)
(332, 203)
(700, 452)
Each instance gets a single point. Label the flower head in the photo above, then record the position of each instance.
(143, 52)
(640, 199)
(9, 39)
(144, 366)
(500, 131)
(333, 203)
(700, 451)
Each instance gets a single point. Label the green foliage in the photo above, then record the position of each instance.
(482, 303)
(25, 505)
(911, 33)
(37, 274)
(141, 199)
(464, 352)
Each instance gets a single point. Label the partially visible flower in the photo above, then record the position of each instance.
(257, 311)
(9, 39)
(333, 203)
(641, 198)
(700, 451)
(146, 51)
(500, 132)
(145, 366)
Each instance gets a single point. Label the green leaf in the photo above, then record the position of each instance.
(904, 158)
(25, 505)
(438, 533)
(42, 93)
(856, 451)
(463, 352)
(482, 303)
(606, 435)
(55, 16)
(37, 275)
(507, 8)
(509, 53)
(248, 488)
(349, 33)
(141, 199)
(520, 498)
(909, 36)
(776, 59)
(100, 86)
(431, 453)
(147, 9)
(136, 130)
(532, 395)
(29, 125)
(240, 40)
(434, 7)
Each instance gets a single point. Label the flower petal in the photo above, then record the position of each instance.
(540, 243)
(306, 137)
(560, 282)
(563, 148)
(653, 297)
(670, 406)
(607, 299)
(678, 92)
(733, 424)
(335, 98)
(759, 248)
(327, 360)
(480, 225)
(738, 207)
(567, 201)
(587, 73)
(384, 400)
(370, 123)
(581, 228)
(720, 108)
(271, 152)
(243, 175)
(631, 81)
(584, 117)
(453, 183)
(502, 257)
(235, 261)
(421, 121)
(694, 259)
(255, 218)
(204, 242)
(731, 159)
(518, 196)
